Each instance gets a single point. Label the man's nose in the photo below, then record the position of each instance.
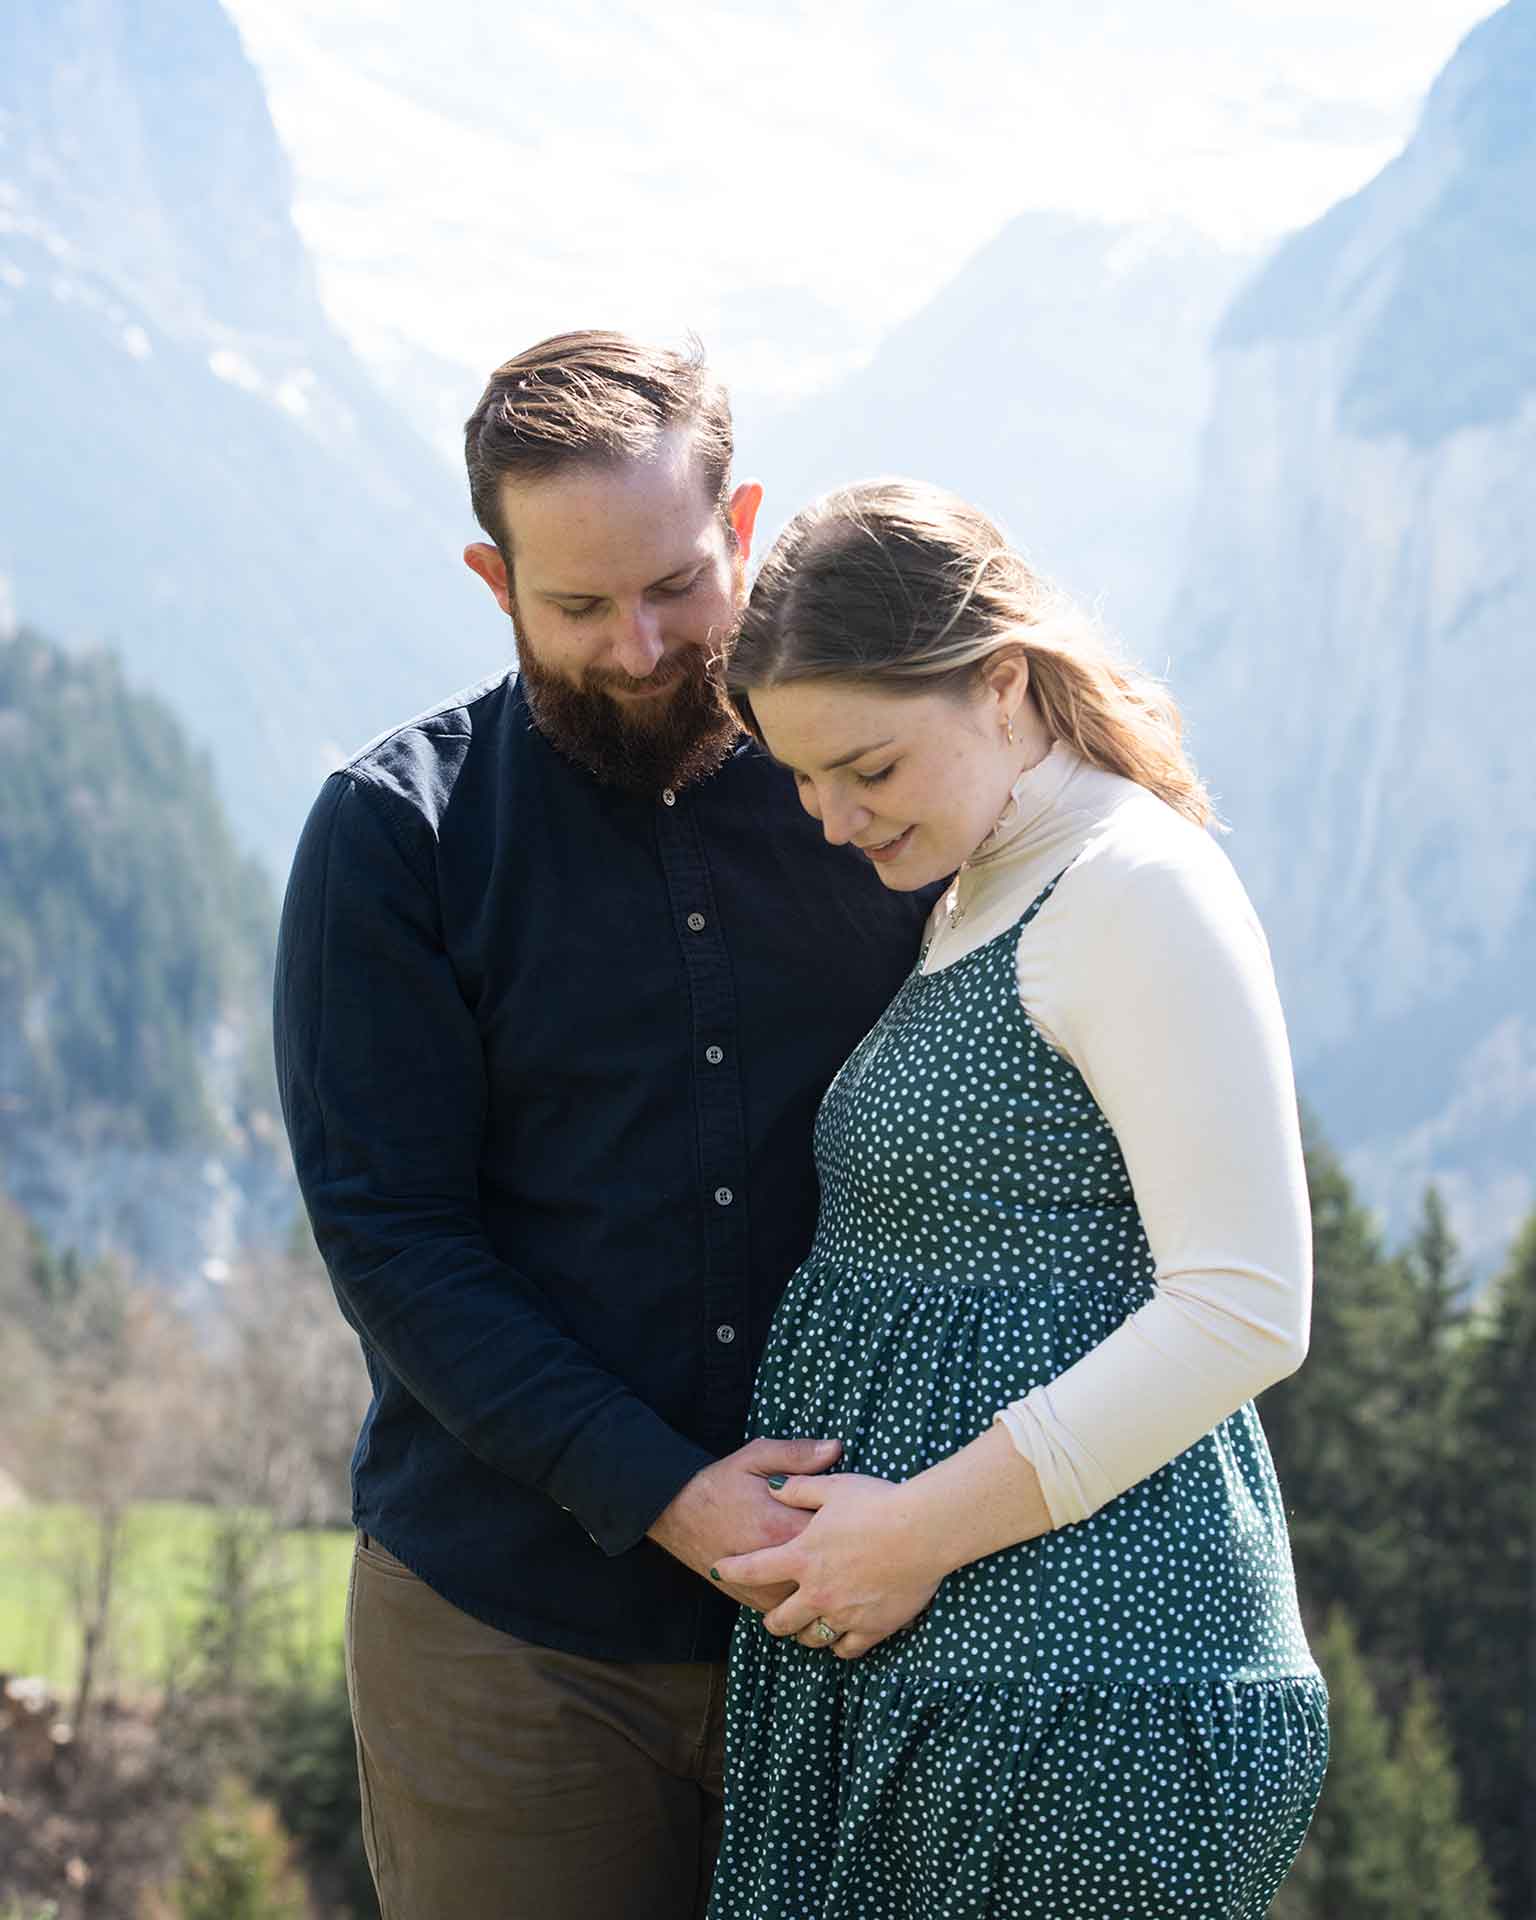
(638, 645)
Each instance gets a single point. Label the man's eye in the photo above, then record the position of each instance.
(582, 613)
(676, 593)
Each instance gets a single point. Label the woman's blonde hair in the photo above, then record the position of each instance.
(906, 586)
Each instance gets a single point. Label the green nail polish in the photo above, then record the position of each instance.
(714, 1573)
(777, 1479)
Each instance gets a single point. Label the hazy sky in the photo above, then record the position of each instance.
(791, 180)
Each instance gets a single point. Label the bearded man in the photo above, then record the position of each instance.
(564, 969)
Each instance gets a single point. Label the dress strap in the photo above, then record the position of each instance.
(1040, 899)
(1010, 932)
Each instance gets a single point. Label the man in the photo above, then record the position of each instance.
(564, 969)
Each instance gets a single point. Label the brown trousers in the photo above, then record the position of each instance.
(507, 1781)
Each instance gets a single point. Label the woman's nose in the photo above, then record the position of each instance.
(840, 819)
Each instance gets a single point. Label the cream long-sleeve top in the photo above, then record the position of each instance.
(1148, 970)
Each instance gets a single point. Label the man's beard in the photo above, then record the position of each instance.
(681, 738)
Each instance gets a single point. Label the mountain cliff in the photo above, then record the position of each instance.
(1058, 381)
(202, 476)
(1355, 641)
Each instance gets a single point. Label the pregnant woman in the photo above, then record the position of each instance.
(1044, 1657)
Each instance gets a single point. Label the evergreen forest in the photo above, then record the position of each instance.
(131, 927)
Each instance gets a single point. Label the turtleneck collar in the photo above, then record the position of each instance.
(1031, 797)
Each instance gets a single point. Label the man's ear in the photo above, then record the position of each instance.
(482, 558)
(745, 502)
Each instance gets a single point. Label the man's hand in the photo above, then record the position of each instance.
(729, 1508)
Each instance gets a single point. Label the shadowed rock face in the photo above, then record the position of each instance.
(202, 476)
(1355, 640)
(138, 132)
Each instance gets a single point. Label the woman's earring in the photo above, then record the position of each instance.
(1008, 728)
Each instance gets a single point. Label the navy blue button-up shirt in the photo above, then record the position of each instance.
(549, 1056)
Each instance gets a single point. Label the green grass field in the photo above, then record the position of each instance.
(165, 1579)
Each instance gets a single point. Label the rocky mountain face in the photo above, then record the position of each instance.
(1355, 642)
(199, 473)
(1058, 382)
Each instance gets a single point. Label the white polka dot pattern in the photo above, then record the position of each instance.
(1119, 1720)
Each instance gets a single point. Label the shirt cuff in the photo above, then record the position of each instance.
(621, 1470)
(1072, 1482)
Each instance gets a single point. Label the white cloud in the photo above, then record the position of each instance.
(294, 393)
(225, 364)
(470, 179)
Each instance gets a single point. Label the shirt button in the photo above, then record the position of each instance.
(714, 1055)
(695, 923)
(668, 797)
(725, 1335)
(723, 1196)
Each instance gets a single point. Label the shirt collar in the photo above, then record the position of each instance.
(1033, 795)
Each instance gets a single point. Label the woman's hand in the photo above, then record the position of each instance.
(868, 1563)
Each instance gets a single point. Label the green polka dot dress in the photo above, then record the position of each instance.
(1118, 1721)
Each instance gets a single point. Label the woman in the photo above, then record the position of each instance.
(1044, 1657)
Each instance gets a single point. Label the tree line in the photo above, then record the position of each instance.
(1406, 1450)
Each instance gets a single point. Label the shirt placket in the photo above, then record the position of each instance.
(720, 1121)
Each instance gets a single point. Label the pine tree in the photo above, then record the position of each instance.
(1488, 1682)
(1435, 1268)
(1446, 1876)
(1352, 1865)
(235, 1864)
(1336, 1426)
(1388, 1841)
(1428, 1489)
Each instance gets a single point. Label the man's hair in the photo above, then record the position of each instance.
(595, 399)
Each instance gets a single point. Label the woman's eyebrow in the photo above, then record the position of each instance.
(857, 754)
(832, 765)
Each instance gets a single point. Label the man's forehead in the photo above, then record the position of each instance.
(646, 517)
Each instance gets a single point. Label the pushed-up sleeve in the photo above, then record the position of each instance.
(1164, 998)
(383, 1086)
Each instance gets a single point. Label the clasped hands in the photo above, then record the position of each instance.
(848, 1549)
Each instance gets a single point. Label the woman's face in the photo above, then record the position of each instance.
(915, 781)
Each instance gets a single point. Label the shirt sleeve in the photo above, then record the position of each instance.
(383, 1086)
(1168, 1008)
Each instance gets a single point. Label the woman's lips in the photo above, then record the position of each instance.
(891, 848)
